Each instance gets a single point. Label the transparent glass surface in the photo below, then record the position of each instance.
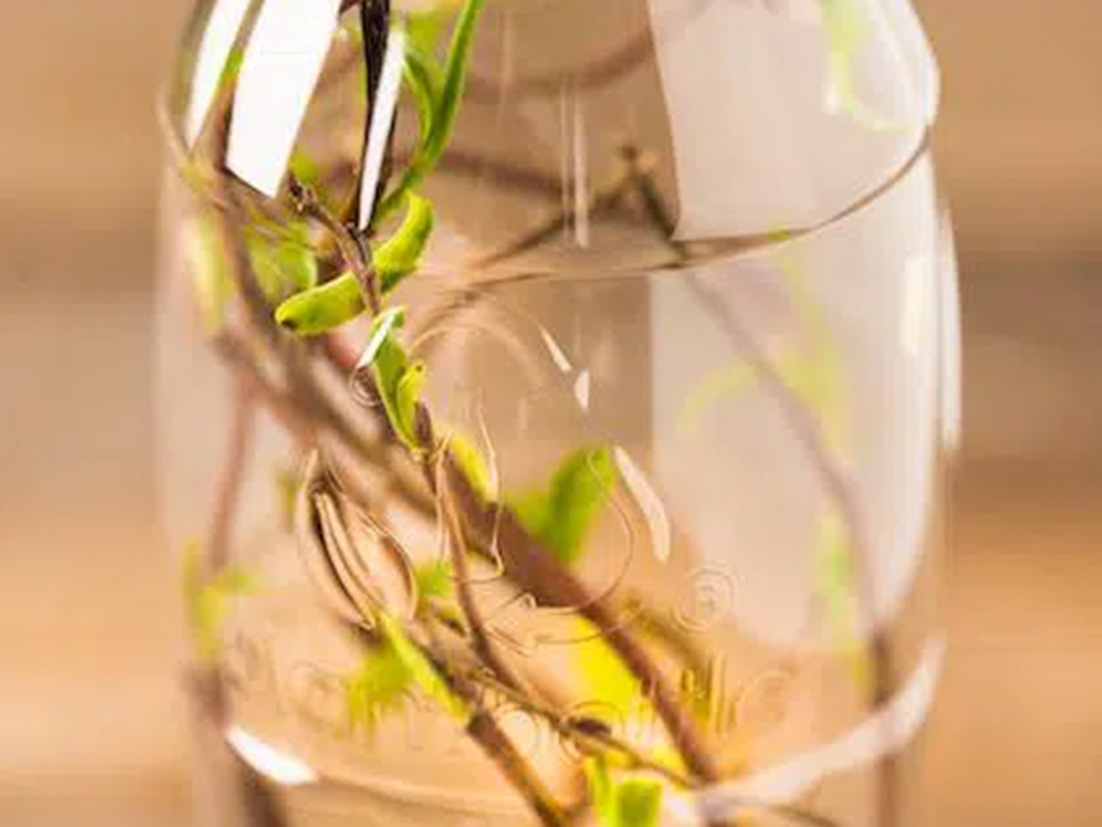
(622, 506)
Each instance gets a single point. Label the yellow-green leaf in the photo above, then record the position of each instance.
(562, 516)
(435, 580)
(398, 383)
(283, 265)
(323, 308)
(424, 78)
(208, 600)
(847, 29)
(408, 394)
(729, 381)
(379, 686)
(210, 277)
(421, 670)
(400, 254)
(602, 677)
(838, 589)
(437, 131)
(472, 463)
(634, 801)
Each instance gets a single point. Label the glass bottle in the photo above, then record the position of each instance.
(556, 400)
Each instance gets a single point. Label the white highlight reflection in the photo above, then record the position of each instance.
(282, 65)
(270, 762)
(649, 502)
(382, 119)
(214, 51)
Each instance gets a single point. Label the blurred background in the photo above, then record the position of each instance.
(89, 723)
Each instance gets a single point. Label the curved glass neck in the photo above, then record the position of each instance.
(750, 119)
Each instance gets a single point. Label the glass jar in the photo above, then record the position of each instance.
(556, 399)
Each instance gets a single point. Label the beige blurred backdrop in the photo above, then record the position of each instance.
(89, 723)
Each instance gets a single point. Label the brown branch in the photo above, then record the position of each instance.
(484, 730)
(536, 571)
(598, 201)
(806, 429)
(351, 246)
(480, 637)
(802, 424)
(230, 480)
(591, 735)
(587, 733)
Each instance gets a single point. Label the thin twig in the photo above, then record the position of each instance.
(352, 248)
(598, 201)
(805, 428)
(535, 570)
(230, 480)
(587, 732)
(484, 730)
(480, 637)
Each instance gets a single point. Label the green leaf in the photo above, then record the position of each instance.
(425, 79)
(639, 802)
(437, 130)
(385, 323)
(208, 601)
(455, 79)
(306, 169)
(837, 587)
(322, 308)
(283, 265)
(729, 381)
(470, 461)
(435, 581)
(407, 396)
(211, 281)
(813, 373)
(398, 383)
(389, 672)
(421, 670)
(635, 801)
(602, 676)
(562, 516)
(601, 789)
(310, 173)
(400, 254)
(423, 29)
(379, 686)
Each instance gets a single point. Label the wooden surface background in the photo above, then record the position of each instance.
(89, 731)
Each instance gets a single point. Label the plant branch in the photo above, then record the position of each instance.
(483, 646)
(804, 427)
(351, 246)
(588, 733)
(535, 570)
(596, 202)
(230, 480)
(484, 730)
